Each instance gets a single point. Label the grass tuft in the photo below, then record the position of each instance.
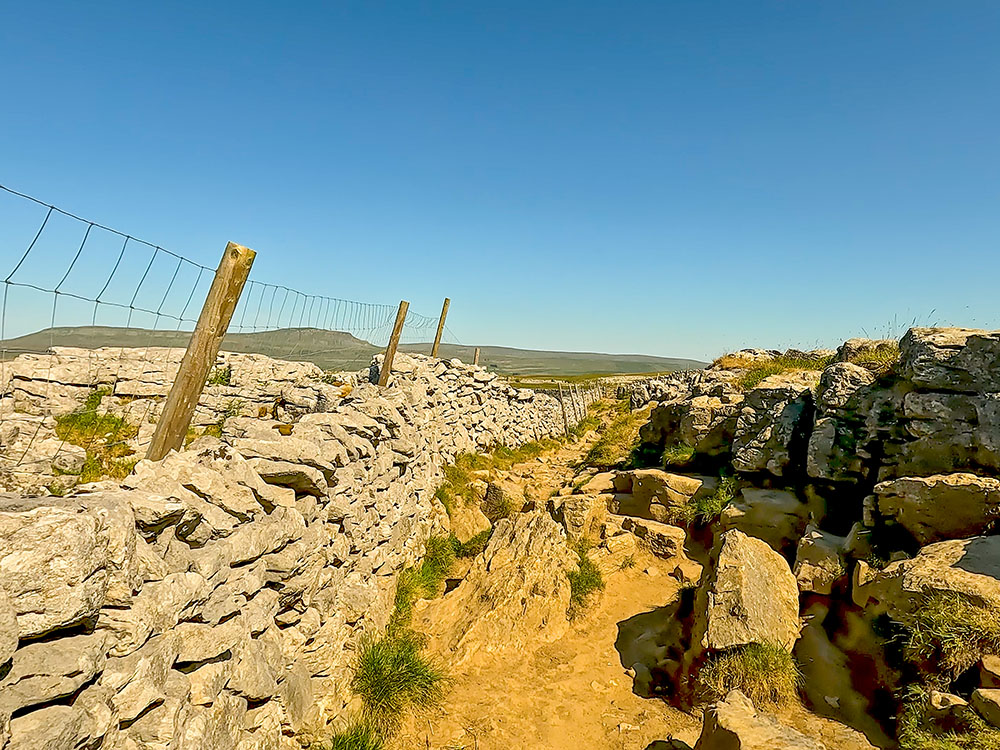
(880, 361)
(358, 735)
(766, 674)
(422, 581)
(583, 581)
(677, 455)
(757, 371)
(707, 508)
(220, 376)
(392, 675)
(953, 632)
(917, 732)
(459, 477)
(475, 546)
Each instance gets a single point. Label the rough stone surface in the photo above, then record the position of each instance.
(735, 724)
(749, 596)
(939, 507)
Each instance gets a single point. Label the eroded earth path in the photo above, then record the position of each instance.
(573, 692)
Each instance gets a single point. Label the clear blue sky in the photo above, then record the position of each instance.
(676, 178)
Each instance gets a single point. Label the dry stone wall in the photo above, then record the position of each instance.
(214, 599)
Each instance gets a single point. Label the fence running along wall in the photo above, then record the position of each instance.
(73, 282)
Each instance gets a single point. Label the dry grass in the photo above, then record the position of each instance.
(953, 632)
(766, 674)
(880, 361)
(758, 371)
(916, 731)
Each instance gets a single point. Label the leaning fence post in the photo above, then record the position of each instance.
(203, 348)
(390, 352)
(562, 403)
(475, 357)
(440, 330)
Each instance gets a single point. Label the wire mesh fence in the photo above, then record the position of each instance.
(93, 325)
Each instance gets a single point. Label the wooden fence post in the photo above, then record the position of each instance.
(203, 348)
(475, 357)
(390, 352)
(440, 330)
(562, 403)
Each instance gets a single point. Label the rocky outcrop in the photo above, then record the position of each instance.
(941, 507)
(515, 595)
(214, 598)
(749, 596)
(735, 724)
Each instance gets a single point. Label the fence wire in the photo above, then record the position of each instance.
(125, 308)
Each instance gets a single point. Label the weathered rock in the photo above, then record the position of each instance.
(776, 516)
(707, 423)
(8, 628)
(44, 672)
(965, 567)
(772, 429)
(951, 359)
(853, 349)
(53, 563)
(986, 701)
(749, 596)
(735, 724)
(579, 515)
(839, 386)
(516, 592)
(656, 495)
(939, 507)
(139, 680)
(819, 562)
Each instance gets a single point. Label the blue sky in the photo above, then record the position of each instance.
(676, 178)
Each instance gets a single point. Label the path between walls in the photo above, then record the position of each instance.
(572, 693)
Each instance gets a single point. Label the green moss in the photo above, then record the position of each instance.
(766, 674)
(103, 436)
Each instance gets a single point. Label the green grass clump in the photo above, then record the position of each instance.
(618, 439)
(422, 581)
(102, 435)
(705, 509)
(916, 731)
(473, 547)
(759, 370)
(880, 361)
(766, 674)
(220, 376)
(583, 581)
(358, 735)
(677, 455)
(391, 676)
(953, 632)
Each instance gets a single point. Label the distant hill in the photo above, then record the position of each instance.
(336, 350)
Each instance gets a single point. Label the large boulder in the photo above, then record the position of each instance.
(773, 425)
(943, 506)
(54, 563)
(705, 422)
(515, 594)
(964, 567)
(655, 494)
(735, 724)
(952, 359)
(749, 596)
(819, 561)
